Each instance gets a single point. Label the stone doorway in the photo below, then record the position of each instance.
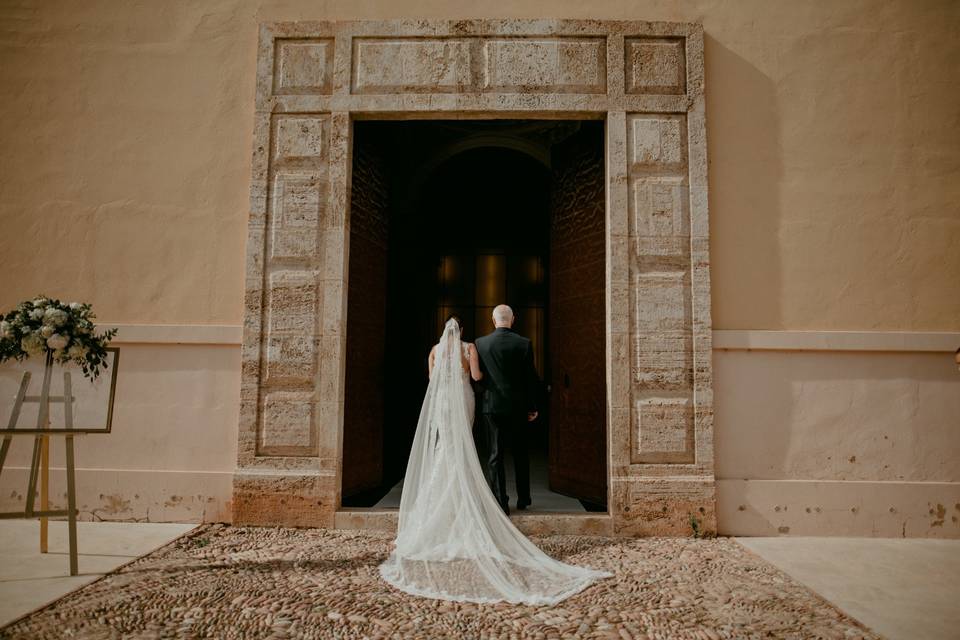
(456, 216)
(317, 80)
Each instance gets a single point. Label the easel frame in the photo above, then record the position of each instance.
(40, 460)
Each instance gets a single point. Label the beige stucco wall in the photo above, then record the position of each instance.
(832, 131)
(834, 146)
(170, 454)
(842, 442)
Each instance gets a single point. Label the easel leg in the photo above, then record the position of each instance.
(43, 420)
(71, 479)
(32, 481)
(14, 416)
(3, 450)
(72, 507)
(44, 491)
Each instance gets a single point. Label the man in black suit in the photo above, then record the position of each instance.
(508, 402)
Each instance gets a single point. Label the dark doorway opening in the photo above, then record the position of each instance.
(457, 217)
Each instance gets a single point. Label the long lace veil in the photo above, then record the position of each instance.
(453, 540)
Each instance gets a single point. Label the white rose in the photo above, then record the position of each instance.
(76, 351)
(57, 341)
(46, 331)
(32, 343)
(4, 329)
(36, 314)
(39, 302)
(54, 317)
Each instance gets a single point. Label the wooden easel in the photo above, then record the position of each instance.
(40, 462)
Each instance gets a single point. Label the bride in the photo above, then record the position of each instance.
(454, 541)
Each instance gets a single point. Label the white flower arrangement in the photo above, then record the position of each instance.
(64, 332)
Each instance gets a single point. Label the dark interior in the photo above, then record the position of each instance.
(455, 217)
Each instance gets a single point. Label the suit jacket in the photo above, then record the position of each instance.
(510, 378)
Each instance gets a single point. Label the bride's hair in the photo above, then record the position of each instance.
(456, 319)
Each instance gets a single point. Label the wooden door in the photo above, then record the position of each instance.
(577, 322)
(363, 420)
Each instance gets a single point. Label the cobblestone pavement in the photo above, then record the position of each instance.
(235, 582)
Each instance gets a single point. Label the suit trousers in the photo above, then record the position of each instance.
(497, 431)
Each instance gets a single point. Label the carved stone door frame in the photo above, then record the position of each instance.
(644, 78)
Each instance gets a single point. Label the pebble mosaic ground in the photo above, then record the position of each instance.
(237, 582)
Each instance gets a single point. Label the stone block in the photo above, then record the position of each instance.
(291, 358)
(332, 354)
(335, 254)
(299, 137)
(619, 427)
(618, 383)
(663, 431)
(662, 361)
(334, 314)
(303, 66)
(284, 499)
(618, 259)
(559, 65)
(661, 302)
(663, 507)
(330, 425)
(660, 210)
(657, 142)
(292, 327)
(396, 65)
(292, 304)
(289, 424)
(295, 215)
(655, 65)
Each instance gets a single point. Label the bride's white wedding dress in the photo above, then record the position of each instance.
(453, 540)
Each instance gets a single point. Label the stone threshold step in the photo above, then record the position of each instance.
(543, 523)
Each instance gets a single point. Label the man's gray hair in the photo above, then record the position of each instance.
(502, 314)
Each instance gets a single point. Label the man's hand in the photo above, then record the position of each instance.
(532, 415)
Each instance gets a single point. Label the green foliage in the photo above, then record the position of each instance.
(61, 331)
(696, 527)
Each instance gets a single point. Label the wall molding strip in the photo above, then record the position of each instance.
(723, 339)
(911, 341)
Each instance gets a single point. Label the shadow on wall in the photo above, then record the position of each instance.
(745, 173)
(745, 170)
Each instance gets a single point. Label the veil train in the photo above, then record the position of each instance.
(453, 540)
